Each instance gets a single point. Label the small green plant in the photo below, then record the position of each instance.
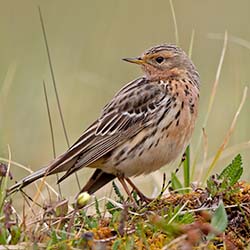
(233, 171)
(176, 183)
(224, 182)
(97, 209)
(117, 192)
(112, 208)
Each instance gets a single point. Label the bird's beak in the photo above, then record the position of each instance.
(136, 60)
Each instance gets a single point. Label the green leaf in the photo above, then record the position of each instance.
(117, 191)
(176, 184)
(233, 171)
(211, 186)
(98, 212)
(112, 208)
(219, 220)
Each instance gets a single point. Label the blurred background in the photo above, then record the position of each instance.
(87, 40)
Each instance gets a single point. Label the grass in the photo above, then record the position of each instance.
(216, 216)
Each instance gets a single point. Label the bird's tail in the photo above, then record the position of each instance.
(27, 180)
(57, 166)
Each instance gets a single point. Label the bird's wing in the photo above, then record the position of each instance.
(127, 114)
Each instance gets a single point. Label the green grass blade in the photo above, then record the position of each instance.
(186, 168)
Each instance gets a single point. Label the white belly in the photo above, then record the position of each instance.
(150, 160)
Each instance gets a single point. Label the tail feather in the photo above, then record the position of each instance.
(27, 180)
(45, 171)
(96, 181)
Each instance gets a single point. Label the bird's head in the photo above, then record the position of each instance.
(163, 61)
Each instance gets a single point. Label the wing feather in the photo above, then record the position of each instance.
(129, 112)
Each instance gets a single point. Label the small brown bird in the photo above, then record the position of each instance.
(146, 125)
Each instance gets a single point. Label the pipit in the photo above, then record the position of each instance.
(145, 126)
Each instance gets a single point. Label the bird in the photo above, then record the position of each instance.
(146, 125)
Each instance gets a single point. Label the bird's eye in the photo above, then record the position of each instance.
(159, 59)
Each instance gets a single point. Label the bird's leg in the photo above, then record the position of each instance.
(141, 195)
(125, 186)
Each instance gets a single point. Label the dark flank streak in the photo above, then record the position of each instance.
(141, 152)
(168, 103)
(139, 144)
(166, 128)
(177, 114)
(151, 145)
(191, 108)
(119, 155)
(154, 132)
(156, 144)
(163, 115)
(182, 105)
(186, 92)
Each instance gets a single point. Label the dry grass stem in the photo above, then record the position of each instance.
(175, 22)
(227, 137)
(211, 102)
